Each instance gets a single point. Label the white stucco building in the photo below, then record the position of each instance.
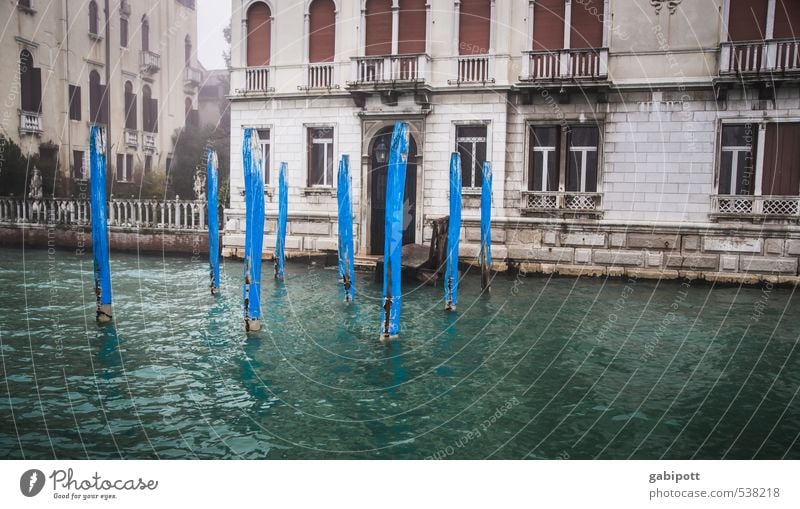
(649, 138)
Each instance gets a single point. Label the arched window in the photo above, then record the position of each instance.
(130, 106)
(322, 31)
(98, 102)
(378, 38)
(187, 51)
(474, 23)
(149, 111)
(259, 34)
(93, 20)
(412, 31)
(145, 34)
(31, 83)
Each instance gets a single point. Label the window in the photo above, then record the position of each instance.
(320, 156)
(259, 34)
(322, 31)
(98, 102)
(74, 102)
(548, 25)
(30, 84)
(187, 51)
(471, 146)
(148, 164)
(149, 111)
(124, 167)
(543, 164)
(93, 20)
(123, 32)
(263, 140)
(737, 160)
(563, 157)
(80, 166)
(412, 25)
(145, 34)
(781, 170)
(25, 4)
(130, 107)
(378, 37)
(474, 20)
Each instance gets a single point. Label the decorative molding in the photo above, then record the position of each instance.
(672, 5)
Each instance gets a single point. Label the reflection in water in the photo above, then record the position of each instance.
(177, 377)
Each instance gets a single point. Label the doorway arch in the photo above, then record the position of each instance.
(378, 173)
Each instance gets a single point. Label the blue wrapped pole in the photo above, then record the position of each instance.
(97, 189)
(213, 220)
(453, 234)
(393, 243)
(254, 228)
(486, 226)
(346, 262)
(283, 210)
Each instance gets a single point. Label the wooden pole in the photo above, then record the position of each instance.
(213, 221)
(283, 211)
(486, 227)
(100, 248)
(254, 228)
(453, 235)
(346, 256)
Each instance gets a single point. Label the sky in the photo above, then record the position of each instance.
(212, 17)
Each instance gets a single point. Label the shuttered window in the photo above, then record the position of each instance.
(473, 27)
(548, 25)
(322, 31)
(586, 29)
(259, 33)
(747, 20)
(130, 106)
(30, 83)
(149, 111)
(737, 160)
(781, 176)
(145, 34)
(787, 19)
(74, 102)
(123, 32)
(379, 27)
(98, 102)
(412, 21)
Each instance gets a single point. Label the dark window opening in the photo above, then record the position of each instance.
(320, 156)
(471, 146)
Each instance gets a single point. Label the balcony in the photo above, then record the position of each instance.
(149, 62)
(149, 141)
(759, 57)
(257, 79)
(473, 69)
(131, 138)
(319, 76)
(565, 64)
(779, 207)
(389, 70)
(555, 202)
(30, 122)
(192, 77)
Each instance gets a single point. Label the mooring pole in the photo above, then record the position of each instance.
(254, 228)
(213, 221)
(283, 211)
(393, 225)
(486, 227)
(97, 186)
(346, 261)
(453, 235)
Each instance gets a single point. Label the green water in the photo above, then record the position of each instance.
(543, 368)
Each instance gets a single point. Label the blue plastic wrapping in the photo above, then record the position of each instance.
(283, 210)
(254, 223)
(99, 211)
(213, 219)
(393, 243)
(453, 234)
(347, 273)
(486, 224)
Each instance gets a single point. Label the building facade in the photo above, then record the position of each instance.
(654, 139)
(128, 66)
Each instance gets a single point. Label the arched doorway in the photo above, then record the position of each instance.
(378, 175)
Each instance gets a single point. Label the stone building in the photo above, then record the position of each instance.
(659, 139)
(129, 66)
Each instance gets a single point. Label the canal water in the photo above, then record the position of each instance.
(570, 368)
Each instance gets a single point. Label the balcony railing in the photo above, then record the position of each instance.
(131, 137)
(122, 213)
(754, 57)
(389, 69)
(473, 69)
(256, 79)
(546, 201)
(149, 141)
(30, 122)
(192, 77)
(777, 206)
(590, 64)
(150, 62)
(319, 75)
